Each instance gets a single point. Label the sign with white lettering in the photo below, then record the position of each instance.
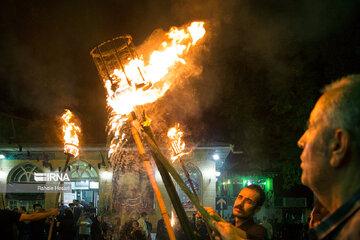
(51, 177)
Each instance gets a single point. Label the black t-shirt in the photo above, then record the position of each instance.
(253, 231)
(7, 220)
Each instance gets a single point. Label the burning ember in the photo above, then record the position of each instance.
(131, 81)
(177, 146)
(71, 145)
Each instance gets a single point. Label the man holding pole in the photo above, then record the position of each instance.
(247, 204)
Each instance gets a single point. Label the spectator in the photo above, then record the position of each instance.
(84, 206)
(92, 209)
(132, 231)
(106, 227)
(37, 231)
(148, 225)
(126, 229)
(162, 233)
(61, 208)
(66, 225)
(84, 224)
(142, 223)
(8, 218)
(96, 231)
(72, 206)
(24, 227)
(137, 232)
(77, 211)
(330, 159)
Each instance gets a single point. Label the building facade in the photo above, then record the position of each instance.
(91, 177)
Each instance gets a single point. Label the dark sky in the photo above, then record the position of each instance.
(253, 49)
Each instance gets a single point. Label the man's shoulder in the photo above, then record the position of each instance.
(257, 227)
(351, 229)
(255, 231)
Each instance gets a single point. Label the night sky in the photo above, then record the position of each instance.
(263, 64)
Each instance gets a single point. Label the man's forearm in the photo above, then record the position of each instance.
(34, 216)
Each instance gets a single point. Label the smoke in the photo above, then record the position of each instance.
(256, 56)
(262, 68)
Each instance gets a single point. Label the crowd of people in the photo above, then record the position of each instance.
(77, 221)
(80, 221)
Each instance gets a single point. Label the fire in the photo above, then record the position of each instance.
(177, 146)
(71, 131)
(172, 221)
(124, 85)
(123, 99)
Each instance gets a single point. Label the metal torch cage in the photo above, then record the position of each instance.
(116, 54)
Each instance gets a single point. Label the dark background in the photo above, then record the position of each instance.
(264, 64)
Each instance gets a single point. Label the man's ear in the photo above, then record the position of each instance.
(339, 147)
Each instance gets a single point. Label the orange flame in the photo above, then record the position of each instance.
(122, 98)
(177, 146)
(71, 145)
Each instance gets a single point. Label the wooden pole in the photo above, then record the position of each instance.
(57, 196)
(170, 188)
(153, 181)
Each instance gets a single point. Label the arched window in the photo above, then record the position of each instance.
(83, 177)
(24, 173)
(82, 171)
(196, 178)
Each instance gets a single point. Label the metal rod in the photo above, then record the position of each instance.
(58, 195)
(103, 62)
(188, 177)
(195, 193)
(152, 180)
(121, 65)
(134, 56)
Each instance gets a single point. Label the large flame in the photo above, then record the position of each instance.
(177, 146)
(122, 97)
(71, 131)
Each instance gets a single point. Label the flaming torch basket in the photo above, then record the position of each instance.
(117, 64)
(115, 55)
